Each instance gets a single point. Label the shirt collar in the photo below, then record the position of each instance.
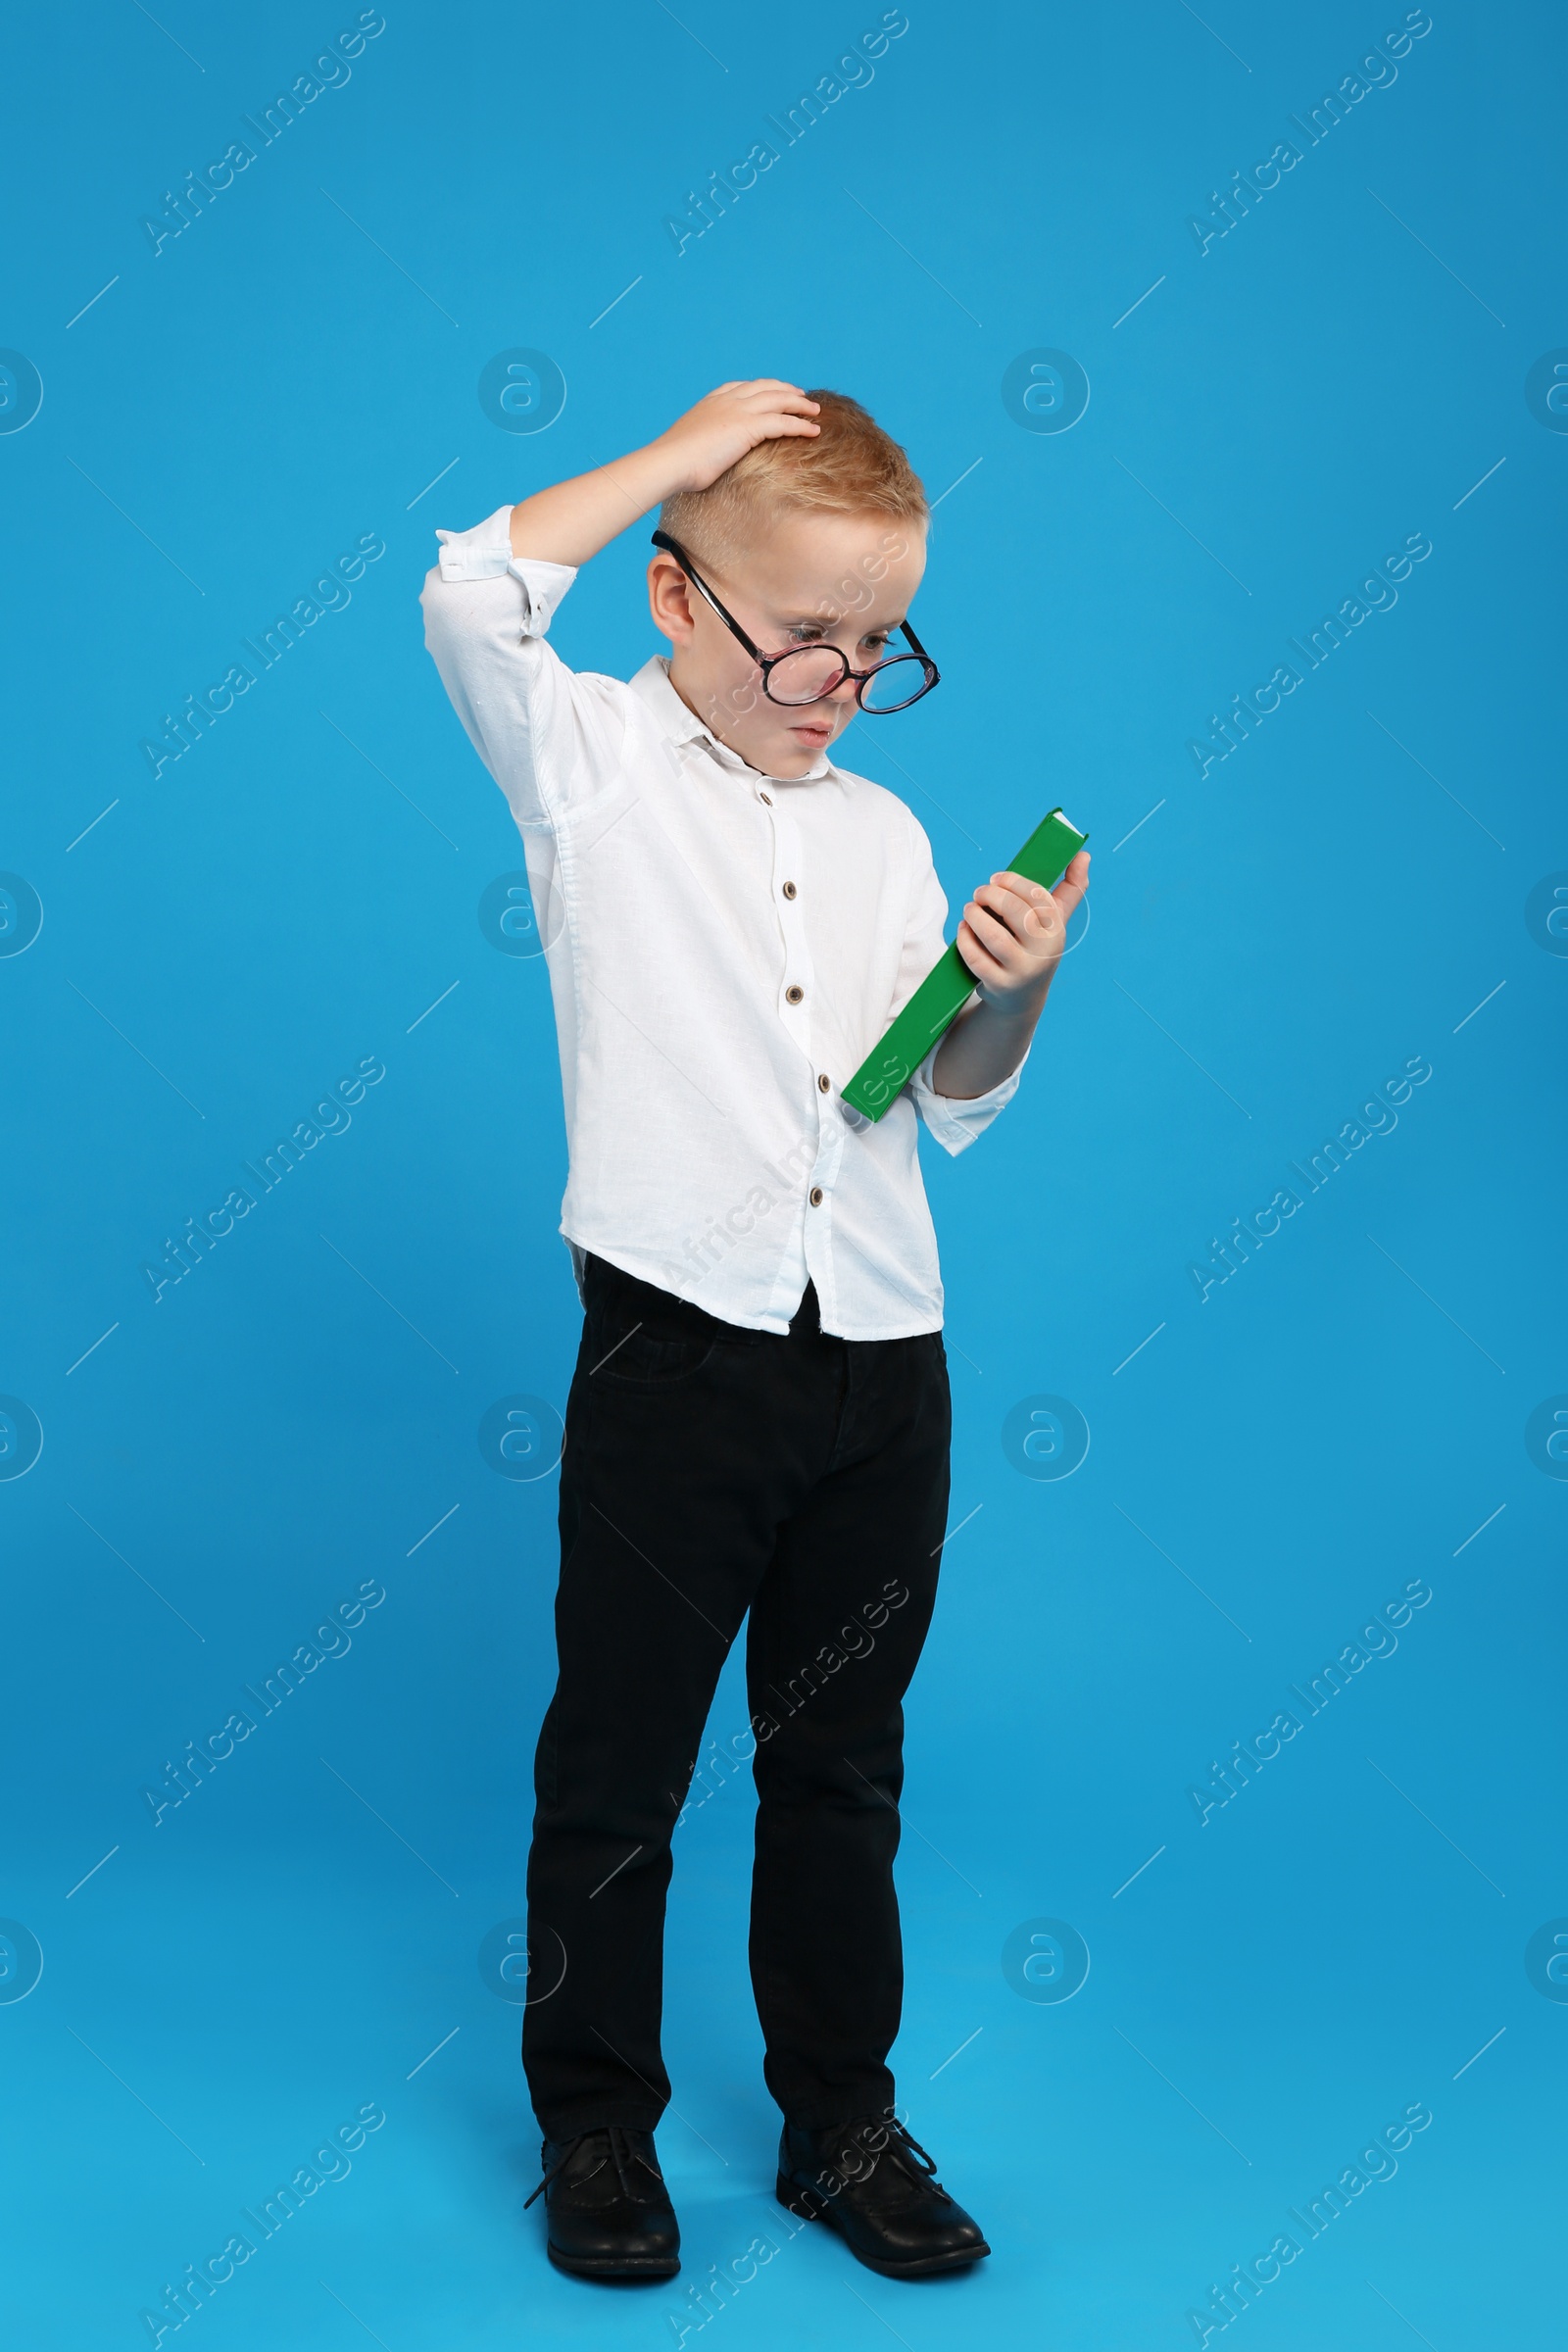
(682, 725)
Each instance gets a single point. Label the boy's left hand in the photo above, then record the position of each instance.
(1014, 934)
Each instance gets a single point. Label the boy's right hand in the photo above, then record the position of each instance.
(571, 522)
(719, 431)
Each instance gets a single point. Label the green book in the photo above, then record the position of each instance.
(946, 989)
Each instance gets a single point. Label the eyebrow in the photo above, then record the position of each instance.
(814, 621)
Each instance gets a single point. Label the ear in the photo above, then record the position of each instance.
(669, 595)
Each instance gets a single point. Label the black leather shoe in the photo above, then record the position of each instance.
(610, 2211)
(879, 2190)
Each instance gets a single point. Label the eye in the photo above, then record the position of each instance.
(805, 632)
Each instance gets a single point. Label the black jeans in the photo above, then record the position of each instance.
(710, 1471)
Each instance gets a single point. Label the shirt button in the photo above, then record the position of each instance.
(794, 996)
(765, 800)
(789, 890)
(815, 1196)
(823, 1081)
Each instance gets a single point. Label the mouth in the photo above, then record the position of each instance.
(815, 732)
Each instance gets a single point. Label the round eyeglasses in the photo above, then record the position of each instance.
(809, 673)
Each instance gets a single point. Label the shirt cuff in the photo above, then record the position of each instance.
(481, 554)
(485, 554)
(543, 586)
(956, 1122)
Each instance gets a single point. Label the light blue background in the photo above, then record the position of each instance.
(1265, 949)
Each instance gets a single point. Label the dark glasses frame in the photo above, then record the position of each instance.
(767, 662)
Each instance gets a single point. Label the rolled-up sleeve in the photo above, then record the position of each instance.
(957, 1121)
(546, 735)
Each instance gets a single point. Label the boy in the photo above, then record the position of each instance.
(758, 1420)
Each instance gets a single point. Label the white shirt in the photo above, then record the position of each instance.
(724, 950)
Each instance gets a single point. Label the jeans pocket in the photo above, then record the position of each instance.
(642, 1358)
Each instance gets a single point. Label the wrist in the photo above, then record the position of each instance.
(664, 468)
(1020, 1004)
(640, 476)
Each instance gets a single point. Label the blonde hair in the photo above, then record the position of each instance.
(850, 466)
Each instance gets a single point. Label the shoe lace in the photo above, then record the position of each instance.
(620, 2151)
(904, 2145)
